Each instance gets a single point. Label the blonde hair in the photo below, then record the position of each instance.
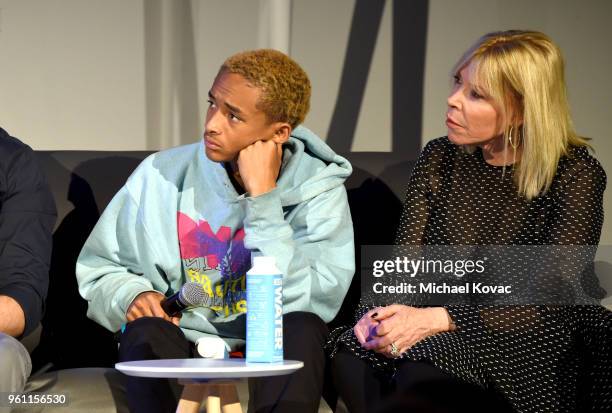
(523, 74)
(285, 86)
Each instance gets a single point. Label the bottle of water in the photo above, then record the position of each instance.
(264, 337)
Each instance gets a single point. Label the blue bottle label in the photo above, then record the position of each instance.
(264, 318)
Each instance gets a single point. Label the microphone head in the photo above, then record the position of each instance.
(193, 295)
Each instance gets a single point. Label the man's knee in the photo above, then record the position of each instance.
(146, 329)
(15, 362)
(152, 337)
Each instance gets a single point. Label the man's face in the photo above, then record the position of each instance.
(233, 121)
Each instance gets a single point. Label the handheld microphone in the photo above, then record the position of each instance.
(190, 295)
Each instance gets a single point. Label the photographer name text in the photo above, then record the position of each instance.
(441, 288)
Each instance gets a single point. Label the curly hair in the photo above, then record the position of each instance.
(285, 86)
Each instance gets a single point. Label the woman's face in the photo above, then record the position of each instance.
(471, 118)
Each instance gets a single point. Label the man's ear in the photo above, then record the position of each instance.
(282, 132)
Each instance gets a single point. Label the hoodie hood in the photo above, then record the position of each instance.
(309, 168)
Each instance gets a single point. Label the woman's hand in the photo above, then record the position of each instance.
(404, 327)
(365, 329)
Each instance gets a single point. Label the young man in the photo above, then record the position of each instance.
(257, 182)
(27, 216)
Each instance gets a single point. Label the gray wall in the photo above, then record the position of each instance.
(133, 74)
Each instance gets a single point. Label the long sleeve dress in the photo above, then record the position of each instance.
(541, 358)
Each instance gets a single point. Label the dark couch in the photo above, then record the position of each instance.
(76, 355)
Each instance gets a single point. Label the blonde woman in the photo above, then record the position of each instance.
(512, 171)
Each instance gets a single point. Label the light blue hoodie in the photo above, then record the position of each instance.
(178, 218)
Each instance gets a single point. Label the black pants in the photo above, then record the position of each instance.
(417, 386)
(152, 338)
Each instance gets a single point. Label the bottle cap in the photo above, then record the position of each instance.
(264, 260)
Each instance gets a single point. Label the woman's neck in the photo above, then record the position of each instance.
(493, 152)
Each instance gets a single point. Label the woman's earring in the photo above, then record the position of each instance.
(513, 144)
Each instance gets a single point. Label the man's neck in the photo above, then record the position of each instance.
(231, 168)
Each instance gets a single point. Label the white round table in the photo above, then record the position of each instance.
(211, 378)
(206, 368)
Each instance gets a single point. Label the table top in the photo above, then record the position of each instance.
(198, 368)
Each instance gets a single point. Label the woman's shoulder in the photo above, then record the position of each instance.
(579, 164)
(437, 150)
(578, 159)
(441, 145)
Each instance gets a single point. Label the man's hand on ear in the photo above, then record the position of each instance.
(259, 165)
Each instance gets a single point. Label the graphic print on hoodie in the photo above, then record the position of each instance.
(218, 261)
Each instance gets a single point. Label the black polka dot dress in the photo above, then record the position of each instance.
(540, 358)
